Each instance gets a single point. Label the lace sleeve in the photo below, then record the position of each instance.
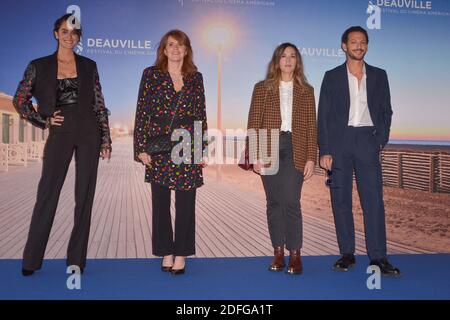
(101, 112)
(22, 99)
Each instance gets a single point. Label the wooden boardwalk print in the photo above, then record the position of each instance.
(228, 224)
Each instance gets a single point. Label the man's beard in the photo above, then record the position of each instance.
(354, 57)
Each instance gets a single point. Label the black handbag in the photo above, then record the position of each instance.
(159, 144)
(162, 143)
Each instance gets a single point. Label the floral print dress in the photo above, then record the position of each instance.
(157, 103)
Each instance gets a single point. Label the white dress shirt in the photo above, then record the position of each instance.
(286, 100)
(359, 115)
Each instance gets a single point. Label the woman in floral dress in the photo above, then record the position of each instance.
(171, 96)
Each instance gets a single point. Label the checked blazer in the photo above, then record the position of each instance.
(265, 114)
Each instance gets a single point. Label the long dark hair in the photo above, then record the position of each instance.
(273, 76)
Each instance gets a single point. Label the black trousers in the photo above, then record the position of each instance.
(360, 154)
(283, 190)
(58, 153)
(163, 241)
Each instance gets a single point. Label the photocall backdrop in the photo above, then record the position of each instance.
(410, 39)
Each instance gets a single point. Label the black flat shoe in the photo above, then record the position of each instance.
(178, 271)
(27, 273)
(344, 263)
(386, 268)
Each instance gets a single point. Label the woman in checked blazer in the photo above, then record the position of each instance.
(283, 104)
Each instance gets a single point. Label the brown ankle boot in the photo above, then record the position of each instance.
(295, 262)
(277, 263)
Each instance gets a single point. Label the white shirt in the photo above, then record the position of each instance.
(359, 115)
(286, 100)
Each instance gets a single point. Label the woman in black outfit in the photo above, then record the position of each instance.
(70, 103)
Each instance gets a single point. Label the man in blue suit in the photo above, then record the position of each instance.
(354, 122)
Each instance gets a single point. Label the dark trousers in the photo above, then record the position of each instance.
(361, 154)
(283, 190)
(58, 153)
(163, 241)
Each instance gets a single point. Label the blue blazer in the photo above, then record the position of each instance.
(334, 106)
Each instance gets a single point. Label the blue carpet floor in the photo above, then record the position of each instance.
(423, 277)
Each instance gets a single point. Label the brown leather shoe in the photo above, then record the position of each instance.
(295, 262)
(277, 263)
